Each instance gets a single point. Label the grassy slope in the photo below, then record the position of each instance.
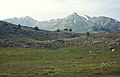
(72, 61)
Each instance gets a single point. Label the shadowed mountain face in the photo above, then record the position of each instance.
(77, 23)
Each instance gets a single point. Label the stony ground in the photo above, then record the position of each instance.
(98, 41)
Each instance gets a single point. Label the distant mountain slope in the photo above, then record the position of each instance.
(26, 21)
(73, 21)
(104, 24)
(77, 23)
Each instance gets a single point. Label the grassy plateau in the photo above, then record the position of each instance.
(70, 61)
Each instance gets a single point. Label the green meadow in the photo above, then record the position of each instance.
(70, 61)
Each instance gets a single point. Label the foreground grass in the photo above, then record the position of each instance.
(72, 61)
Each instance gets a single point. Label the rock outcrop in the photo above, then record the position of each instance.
(109, 42)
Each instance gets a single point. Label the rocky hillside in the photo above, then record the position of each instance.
(23, 31)
(20, 36)
(77, 23)
(98, 42)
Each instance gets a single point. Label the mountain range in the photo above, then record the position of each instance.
(77, 23)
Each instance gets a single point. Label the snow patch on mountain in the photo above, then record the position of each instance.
(74, 21)
(85, 17)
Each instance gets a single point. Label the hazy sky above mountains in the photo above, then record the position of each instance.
(52, 9)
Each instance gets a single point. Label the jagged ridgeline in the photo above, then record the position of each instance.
(77, 23)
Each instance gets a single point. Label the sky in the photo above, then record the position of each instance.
(52, 9)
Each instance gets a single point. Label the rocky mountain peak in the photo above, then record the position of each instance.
(27, 18)
(74, 14)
